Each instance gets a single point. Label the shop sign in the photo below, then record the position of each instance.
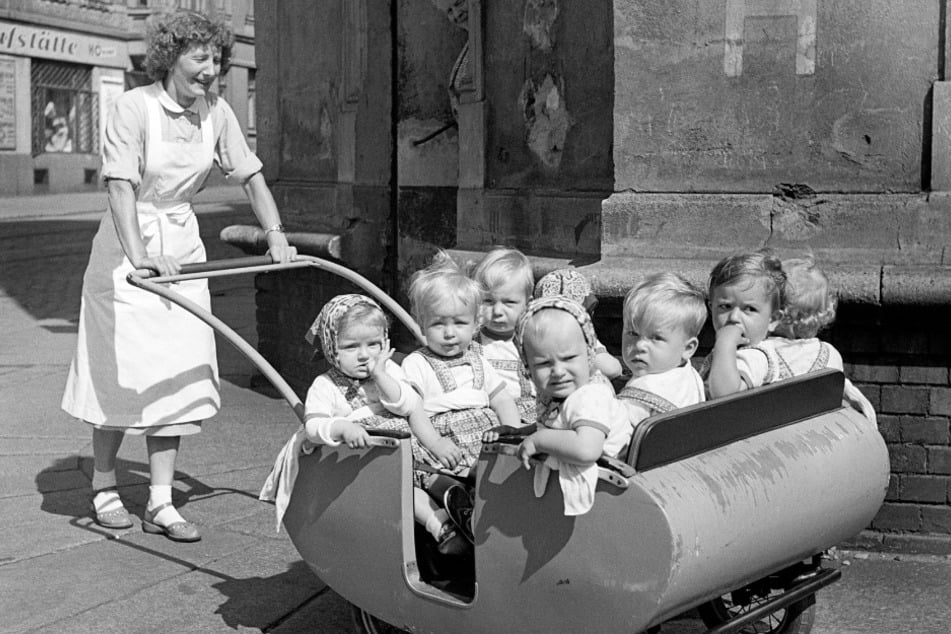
(27, 41)
(8, 120)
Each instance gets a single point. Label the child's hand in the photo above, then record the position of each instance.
(525, 452)
(447, 452)
(491, 435)
(355, 436)
(731, 336)
(377, 366)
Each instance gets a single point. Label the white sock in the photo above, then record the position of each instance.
(436, 521)
(106, 501)
(159, 495)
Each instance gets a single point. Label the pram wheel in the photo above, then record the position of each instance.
(795, 619)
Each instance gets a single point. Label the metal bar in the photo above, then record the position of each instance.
(144, 279)
(787, 598)
(225, 330)
(260, 264)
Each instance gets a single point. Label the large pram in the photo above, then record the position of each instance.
(725, 506)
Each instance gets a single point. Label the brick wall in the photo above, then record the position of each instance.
(899, 358)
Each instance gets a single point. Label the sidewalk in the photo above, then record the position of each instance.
(58, 570)
(79, 203)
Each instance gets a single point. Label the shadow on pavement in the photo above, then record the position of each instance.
(242, 605)
(133, 486)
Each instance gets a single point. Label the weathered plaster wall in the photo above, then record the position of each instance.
(718, 97)
(324, 121)
(549, 82)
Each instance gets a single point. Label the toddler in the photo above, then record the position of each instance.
(746, 298)
(662, 317)
(578, 417)
(463, 395)
(507, 282)
(362, 389)
(573, 285)
(752, 295)
(809, 306)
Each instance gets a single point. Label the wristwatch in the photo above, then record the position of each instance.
(278, 227)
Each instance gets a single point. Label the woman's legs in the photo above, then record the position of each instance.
(107, 505)
(163, 451)
(105, 448)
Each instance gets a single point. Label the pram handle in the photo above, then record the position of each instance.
(162, 286)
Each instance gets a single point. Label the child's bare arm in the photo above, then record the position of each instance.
(331, 431)
(390, 388)
(503, 404)
(724, 375)
(608, 364)
(444, 449)
(582, 445)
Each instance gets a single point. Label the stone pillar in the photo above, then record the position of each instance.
(324, 134)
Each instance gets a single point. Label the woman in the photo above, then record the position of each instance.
(144, 366)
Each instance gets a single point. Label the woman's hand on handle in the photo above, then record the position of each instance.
(164, 265)
(281, 254)
(278, 247)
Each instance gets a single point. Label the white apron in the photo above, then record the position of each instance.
(142, 364)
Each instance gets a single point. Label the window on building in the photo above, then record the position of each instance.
(65, 108)
(252, 102)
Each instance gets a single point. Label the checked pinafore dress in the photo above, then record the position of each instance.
(463, 426)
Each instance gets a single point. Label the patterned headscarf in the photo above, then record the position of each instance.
(571, 307)
(567, 283)
(544, 405)
(326, 327)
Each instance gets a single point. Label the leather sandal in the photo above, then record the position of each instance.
(116, 518)
(176, 531)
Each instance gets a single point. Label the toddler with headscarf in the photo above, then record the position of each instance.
(570, 284)
(578, 415)
(363, 389)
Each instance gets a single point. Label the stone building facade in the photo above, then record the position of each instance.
(631, 136)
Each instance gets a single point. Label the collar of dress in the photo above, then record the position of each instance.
(173, 106)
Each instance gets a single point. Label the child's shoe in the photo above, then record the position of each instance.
(458, 504)
(451, 543)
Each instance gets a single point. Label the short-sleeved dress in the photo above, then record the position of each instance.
(142, 364)
(591, 405)
(456, 396)
(653, 394)
(502, 355)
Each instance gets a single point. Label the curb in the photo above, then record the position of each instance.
(900, 543)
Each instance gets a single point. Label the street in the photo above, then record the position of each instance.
(59, 572)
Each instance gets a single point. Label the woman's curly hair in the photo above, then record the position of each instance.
(169, 34)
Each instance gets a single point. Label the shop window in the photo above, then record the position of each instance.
(65, 108)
